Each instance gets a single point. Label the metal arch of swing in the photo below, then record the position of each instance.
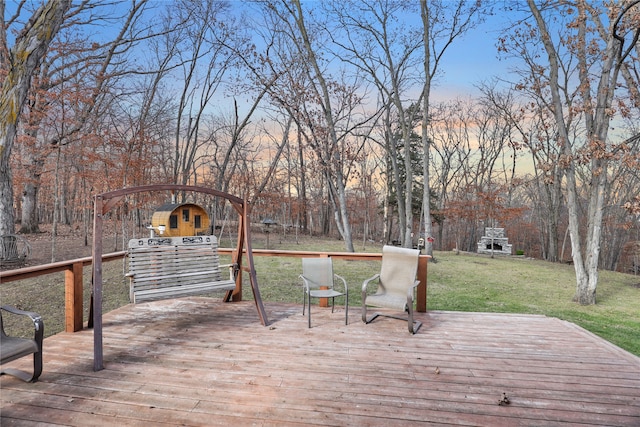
(104, 202)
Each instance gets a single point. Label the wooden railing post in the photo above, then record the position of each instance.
(324, 302)
(73, 297)
(421, 293)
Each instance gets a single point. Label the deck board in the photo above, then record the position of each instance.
(198, 361)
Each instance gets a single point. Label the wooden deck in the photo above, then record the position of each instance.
(199, 361)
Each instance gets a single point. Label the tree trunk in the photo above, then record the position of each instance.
(33, 159)
(302, 197)
(426, 143)
(554, 192)
(397, 183)
(29, 222)
(337, 187)
(6, 200)
(30, 47)
(344, 218)
(582, 278)
(597, 117)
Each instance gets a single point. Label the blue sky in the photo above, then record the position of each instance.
(469, 60)
(472, 59)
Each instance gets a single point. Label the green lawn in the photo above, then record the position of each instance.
(515, 285)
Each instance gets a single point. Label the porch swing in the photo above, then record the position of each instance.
(104, 202)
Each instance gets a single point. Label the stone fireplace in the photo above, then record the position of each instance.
(494, 242)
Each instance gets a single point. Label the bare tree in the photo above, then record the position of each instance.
(21, 61)
(598, 72)
(533, 126)
(469, 140)
(449, 136)
(68, 84)
(442, 23)
(203, 62)
(386, 49)
(321, 107)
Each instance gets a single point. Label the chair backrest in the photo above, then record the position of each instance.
(399, 269)
(318, 272)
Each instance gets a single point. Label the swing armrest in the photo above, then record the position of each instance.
(234, 268)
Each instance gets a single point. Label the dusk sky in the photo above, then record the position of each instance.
(472, 59)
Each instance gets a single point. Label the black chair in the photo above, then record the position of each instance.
(12, 348)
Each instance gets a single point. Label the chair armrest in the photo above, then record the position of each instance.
(305, 282)
(38, 324)
(233, 270)
(410, 293)
(34, 316)
(366, 281)
(364, 287)
(344, 283)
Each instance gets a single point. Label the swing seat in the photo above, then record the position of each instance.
(174, 267)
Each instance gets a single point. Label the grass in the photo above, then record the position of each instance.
(516, 285)
(464, 282)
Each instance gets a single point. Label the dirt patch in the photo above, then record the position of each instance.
(68, 244)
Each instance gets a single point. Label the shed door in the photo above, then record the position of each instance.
(186, 227)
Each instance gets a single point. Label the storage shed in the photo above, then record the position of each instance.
(182, 219)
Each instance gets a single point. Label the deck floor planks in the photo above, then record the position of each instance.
(198, 361)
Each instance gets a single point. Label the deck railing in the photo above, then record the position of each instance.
(74, 289)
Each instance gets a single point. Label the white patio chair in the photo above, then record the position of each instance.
(396, 285)
(318, 282)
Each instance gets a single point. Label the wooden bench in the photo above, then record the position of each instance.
(12, 348)
(172, 267)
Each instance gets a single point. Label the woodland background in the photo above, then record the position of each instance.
(319, 113)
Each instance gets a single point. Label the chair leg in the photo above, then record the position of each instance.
(24, 376)
(346, 309)
(413, 326)
(364, 313)
(374, 317)
(18, 374)
(364, 306)
(304, 300)
(309, 312)
(364, 310)
(37, 366)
